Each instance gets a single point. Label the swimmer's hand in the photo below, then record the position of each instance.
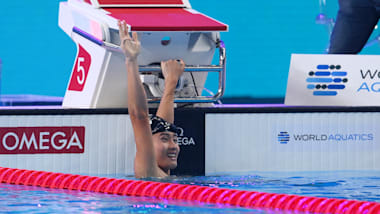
(130, 46)
(172, 70)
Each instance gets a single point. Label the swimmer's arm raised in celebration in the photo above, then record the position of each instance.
(145, 162)
(172, 71)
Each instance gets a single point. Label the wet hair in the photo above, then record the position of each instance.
(157, 124)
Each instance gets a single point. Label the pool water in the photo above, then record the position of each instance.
(28, 199)
(348, 185)
(363, 185)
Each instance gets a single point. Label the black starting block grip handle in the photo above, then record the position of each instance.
(205, 68)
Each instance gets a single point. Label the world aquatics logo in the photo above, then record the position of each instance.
(283, 137)
(326, 80)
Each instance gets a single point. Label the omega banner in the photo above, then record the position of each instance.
(35, 140)
(333, 80)
(191, 160)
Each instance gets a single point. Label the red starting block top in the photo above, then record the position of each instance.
(166, 19)
(142, 2)
(137, 3)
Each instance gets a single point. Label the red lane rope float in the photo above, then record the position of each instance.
(241, 198)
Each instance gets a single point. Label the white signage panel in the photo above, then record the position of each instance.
(292, 142)
(334, 80)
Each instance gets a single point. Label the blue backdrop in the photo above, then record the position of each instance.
(37, 56)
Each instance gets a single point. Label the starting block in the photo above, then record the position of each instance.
(167, 29)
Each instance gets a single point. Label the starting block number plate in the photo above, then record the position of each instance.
(80, 70)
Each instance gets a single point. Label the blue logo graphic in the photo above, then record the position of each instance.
(283, 137)
(327, 80)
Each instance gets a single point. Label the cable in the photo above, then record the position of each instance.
(195, 85)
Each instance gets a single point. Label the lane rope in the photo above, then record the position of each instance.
(248, 199)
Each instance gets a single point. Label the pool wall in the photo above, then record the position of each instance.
(213, 140)
(292, 142)
(108, 143)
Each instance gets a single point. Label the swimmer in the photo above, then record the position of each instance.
(156, 138)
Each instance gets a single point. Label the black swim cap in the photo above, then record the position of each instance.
(157, 124)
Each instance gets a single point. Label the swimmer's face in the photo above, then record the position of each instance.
(166, 150)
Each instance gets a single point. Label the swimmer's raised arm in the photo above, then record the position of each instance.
(145, 162)
(172, 71)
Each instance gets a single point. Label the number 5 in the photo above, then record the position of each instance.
(80, 69)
